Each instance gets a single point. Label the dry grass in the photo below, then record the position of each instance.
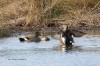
(82, 11)
(33, 12)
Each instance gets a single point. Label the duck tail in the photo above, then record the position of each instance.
(21, 39)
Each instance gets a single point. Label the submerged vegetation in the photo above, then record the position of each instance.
(22, 14)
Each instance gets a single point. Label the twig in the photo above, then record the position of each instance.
(95, 5)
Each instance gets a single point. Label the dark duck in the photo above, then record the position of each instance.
(66, 37)
(35, 37)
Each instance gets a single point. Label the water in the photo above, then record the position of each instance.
(85, 52)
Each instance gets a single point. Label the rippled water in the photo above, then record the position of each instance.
(85, 52)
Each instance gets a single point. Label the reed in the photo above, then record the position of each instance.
(33, 12)
(4, 33)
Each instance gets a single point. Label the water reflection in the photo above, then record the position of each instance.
(12, 45)
(48, 50)
(79, 49)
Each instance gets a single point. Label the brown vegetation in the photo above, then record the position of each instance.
(29, 13)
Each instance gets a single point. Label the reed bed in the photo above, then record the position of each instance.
(29, 13)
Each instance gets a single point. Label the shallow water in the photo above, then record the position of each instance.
(85, 52)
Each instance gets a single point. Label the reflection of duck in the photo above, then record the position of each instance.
(36, 37)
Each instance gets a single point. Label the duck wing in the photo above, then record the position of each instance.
(77, 33)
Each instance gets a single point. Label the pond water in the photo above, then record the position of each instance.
(85, 52)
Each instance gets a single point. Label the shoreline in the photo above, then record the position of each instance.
(30, 30)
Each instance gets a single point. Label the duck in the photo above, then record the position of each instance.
(67, 35)
(29, 37)
(35, 37)
(66, 38)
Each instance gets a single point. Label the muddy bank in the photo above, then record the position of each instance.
(22, 30)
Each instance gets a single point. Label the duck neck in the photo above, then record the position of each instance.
(64, 29)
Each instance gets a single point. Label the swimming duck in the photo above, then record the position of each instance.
(36, 37)
(66, 36)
